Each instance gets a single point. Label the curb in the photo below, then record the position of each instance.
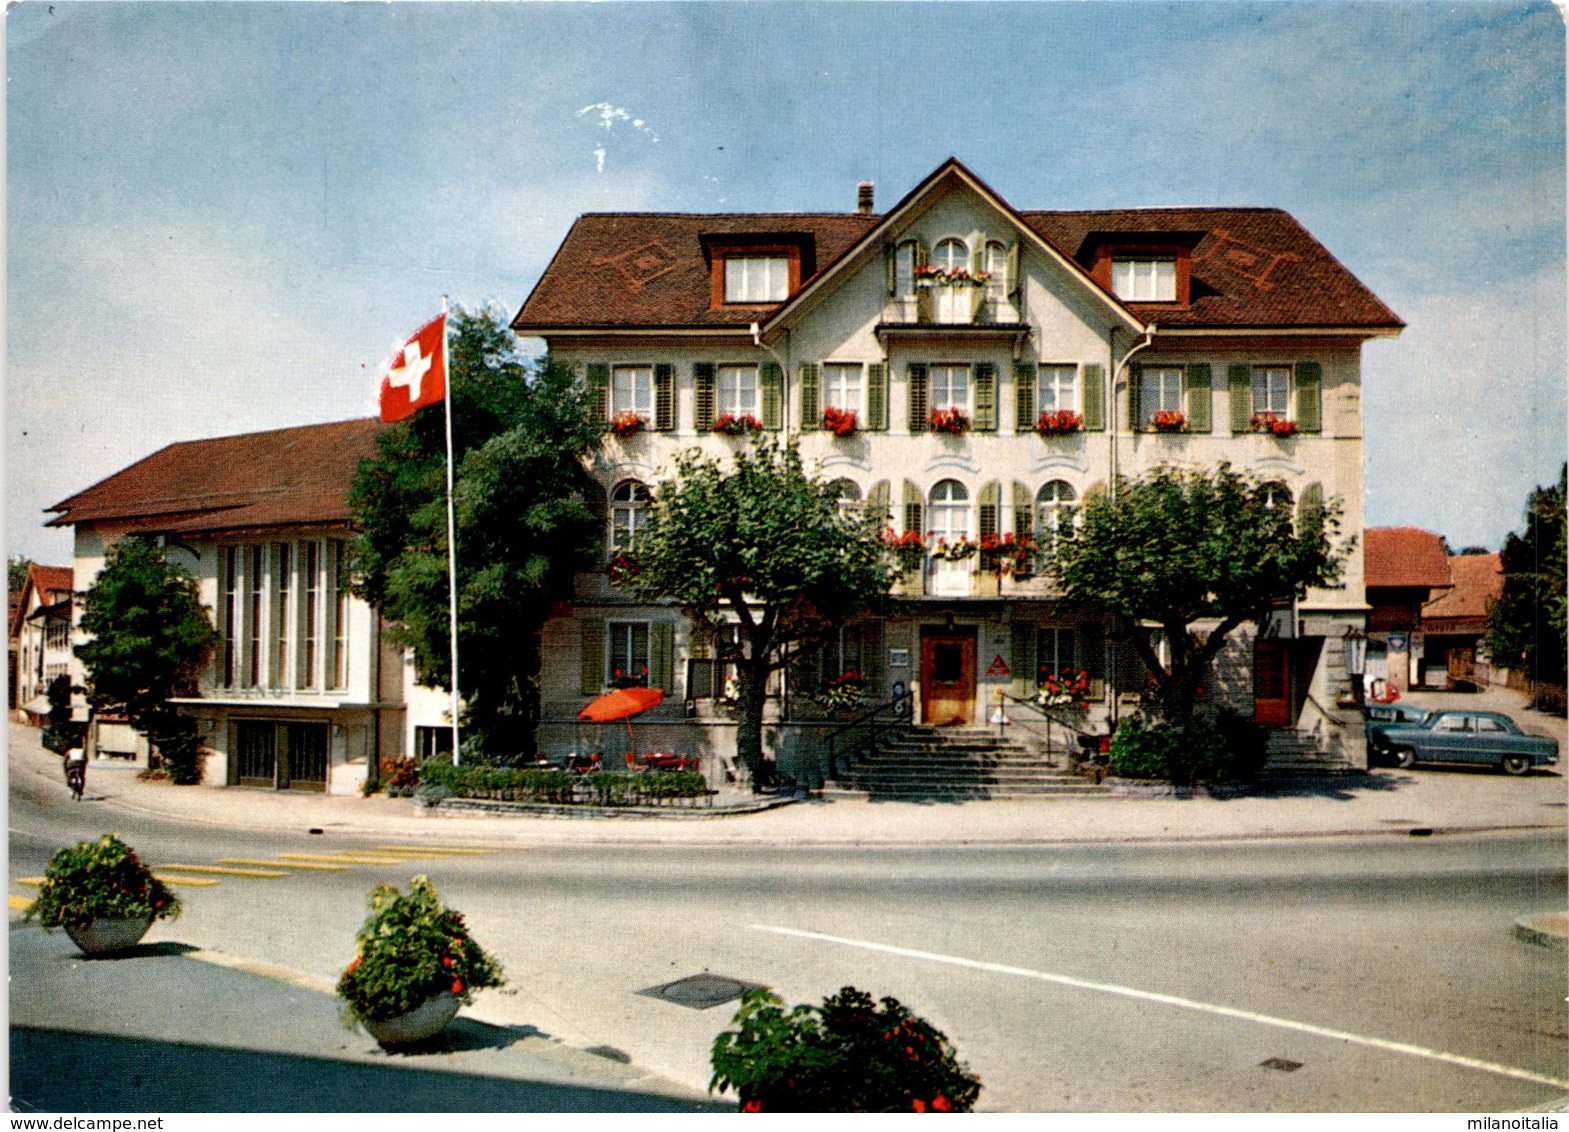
(1548, 929)
(491, 808)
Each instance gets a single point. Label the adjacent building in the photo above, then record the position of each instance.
(41, 629)
(963, 369)
(1404, 569)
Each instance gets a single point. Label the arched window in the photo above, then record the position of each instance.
(951, 304)
(952, 254)
(1055, 507)
(996, 276)
(629, 511)
(1277, 497)
(948, 517)
(847, 495)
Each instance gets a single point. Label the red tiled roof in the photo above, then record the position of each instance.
(281, 478)
(1478, 578)
(1404, 557)
(634, 270)
(51, 579)
(1252, 267)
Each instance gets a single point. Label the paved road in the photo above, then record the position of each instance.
(1085, 978)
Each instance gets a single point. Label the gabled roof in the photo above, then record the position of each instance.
(51, 585)
(1478, 579)
(1253, 267)
(1405, 557)
(281, 478)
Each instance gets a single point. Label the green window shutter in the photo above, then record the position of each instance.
(1310, 507)
(923, 295)
(703, 403)
(1023, 510)
(1239, 380)
(811, 399)
(1092, 658)
(599, 391)
(877, 398)
(1023, 640)
(1198, 397)
(664, 397)
(872, 658)
(1310, 397)
(1024, 397)
(771, 380)
(877, 503)
(700, 642)
(1094, 398)
(990, 509)
(914, 513)
(1015, 282)
(986, 397)
(1136, 398)
(591, 657)
(916, 379)
(891, 268)
(661, 656)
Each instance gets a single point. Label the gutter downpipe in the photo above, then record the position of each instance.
(1118, 369)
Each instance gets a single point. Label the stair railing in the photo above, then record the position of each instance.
(1049, 719)
(866, 732)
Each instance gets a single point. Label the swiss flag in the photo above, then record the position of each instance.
(416, 375)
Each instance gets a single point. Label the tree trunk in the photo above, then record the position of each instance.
(752, 676)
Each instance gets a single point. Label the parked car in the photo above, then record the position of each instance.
(1374, 714)
(1482, 738)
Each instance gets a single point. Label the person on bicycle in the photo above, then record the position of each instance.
(76, 772)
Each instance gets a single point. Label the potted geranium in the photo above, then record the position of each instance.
(952, 421)
(416, 964)
(628, 424)
(1066, 688)
(1168, 420)
(102, 895)
(1051, 423)
(909, 549)
(848, 1055)
(844, 691)
(1272, 423)
(729, 424)
(958, 550)
(840, 422)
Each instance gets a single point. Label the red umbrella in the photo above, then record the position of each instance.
(623, 703)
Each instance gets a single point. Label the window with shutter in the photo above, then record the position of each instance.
(1023, 650)
(877, 504)
(661, 662)
(1198, 397)
(1310, 392)
(877, 398)
(915, 378)
(1239, 380)
(1094, 398)
(591, 656)
(598, 391)
(771, 383)
(1024, 397)
(914, 518)
(664, 397)
(986, 397)
(703, 381)
(811, 401)
(990, 510)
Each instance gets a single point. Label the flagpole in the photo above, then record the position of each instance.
(452, 538)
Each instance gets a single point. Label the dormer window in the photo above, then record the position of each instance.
(1144, 279)
(757, 278)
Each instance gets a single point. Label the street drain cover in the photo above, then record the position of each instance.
(1282, 1064)
(701, 991)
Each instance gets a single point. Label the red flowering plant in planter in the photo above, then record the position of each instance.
(958, 550)
(729, 424)
(1068, 687)
(1052, 423)
(1007, 553)
(1272, 423)
(840, 422)
(955, 422)
(844, 691)
(909, 549)
(102, 879)
(849, 1055)
(628, 423)
(930, 275)
(622, 569)
(1168, 420)
(638, 679)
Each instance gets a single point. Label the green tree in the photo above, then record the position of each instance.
(1526, 624)
(16, 571)
(1176, 547)
(520, 436)
(150, 636)
(766, 546)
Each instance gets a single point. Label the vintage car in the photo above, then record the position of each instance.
(1375, 714)
(1482, 738)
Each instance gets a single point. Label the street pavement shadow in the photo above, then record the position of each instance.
(68, 1071)
(464, 1034)
(1336, 787)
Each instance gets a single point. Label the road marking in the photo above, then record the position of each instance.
(283, 864)
(187, 882)
(338, 859)
(1183, 1003)
(31, 882)
(266, 970)
(20, 903)
(444, 850)
(219, 870)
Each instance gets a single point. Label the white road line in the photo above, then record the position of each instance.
(1182, 1003)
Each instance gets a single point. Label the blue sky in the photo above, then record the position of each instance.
(221, 216)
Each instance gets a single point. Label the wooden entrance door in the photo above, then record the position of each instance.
(1272, 683)
(947, 680)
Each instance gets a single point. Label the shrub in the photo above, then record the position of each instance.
(61, 733)
(99, 880)
(848, 1055)
(1227, 748)
(411, 949)
(178, 747)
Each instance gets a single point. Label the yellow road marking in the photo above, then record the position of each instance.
(219, 870)
(283, 864)
(20, 903)
(444, 850)
(266, 970)
(339, 859)
(31, 882)
(187, 882)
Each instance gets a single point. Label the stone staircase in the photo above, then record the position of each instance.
(961, 764)
(1296, 754)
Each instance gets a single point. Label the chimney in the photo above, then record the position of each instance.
(863, 198)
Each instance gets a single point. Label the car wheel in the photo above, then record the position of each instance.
(1517, 764)
(1405, 757)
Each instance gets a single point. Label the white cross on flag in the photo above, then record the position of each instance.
(416, 375)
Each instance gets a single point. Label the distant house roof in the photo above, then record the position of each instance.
(286, 477)
(1404, 557)
(1478, 579)
(51, 585)
(1251, 267)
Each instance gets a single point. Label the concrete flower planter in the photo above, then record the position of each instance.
(424, 1021)
(104, 937)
